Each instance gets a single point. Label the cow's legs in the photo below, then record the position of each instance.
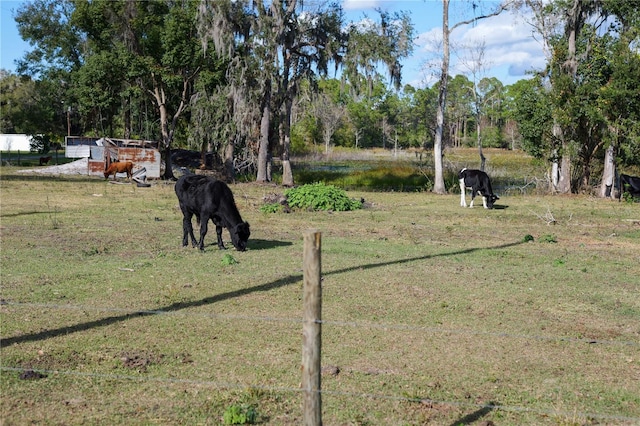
(473, 196)
(218, 222)
(463, 202)
(204, 221)
(219, 234)
(484, 202)
(187, 230)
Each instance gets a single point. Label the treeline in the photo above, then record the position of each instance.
(251, 81)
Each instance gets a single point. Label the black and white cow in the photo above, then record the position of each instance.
(208, 198)
(479, 183)
(630, 184)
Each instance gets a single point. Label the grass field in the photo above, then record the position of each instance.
(433, 314)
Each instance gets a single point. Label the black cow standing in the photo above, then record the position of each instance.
(208, 198)
(629, 184)
(479, 183)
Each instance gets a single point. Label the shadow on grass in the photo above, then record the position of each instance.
(252, 244)
(257, 244)
(27, 213)
(79, 178)
(476, 415)
(282, 282)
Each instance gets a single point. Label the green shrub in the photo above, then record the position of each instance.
(548, 238)
(228, 260)
(271, 208)
(240, 415)
(318, 196)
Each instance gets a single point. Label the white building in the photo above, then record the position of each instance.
(15, 142)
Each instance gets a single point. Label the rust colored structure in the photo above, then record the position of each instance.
(101, 152)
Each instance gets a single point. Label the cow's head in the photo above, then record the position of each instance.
(240, 235)
(491, 199)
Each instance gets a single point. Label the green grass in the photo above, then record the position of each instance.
(431, 311)
(511, 171)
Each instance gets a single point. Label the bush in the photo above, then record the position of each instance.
(318, 196)
(240, 415)
(271, 208)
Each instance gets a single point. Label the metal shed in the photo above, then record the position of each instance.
(101, 151)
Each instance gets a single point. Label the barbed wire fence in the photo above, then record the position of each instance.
(311, 322)
(403, 327)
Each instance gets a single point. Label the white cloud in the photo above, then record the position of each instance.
(360, 4)
(508, 45)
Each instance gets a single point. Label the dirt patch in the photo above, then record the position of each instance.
(31, 375)
(140, 361)
(78, 167)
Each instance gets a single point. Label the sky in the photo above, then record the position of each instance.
(510, 48)
(508, 42)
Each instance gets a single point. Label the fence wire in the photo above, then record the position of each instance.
(354, 324)
(243, 386)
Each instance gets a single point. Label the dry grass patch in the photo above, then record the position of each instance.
(434, 314)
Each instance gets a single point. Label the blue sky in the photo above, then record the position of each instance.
(510, 48)
(11, 45)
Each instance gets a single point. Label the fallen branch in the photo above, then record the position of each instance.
(547, 217)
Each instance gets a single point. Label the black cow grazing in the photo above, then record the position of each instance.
(630, 184)
(208, 198)
(479, 183)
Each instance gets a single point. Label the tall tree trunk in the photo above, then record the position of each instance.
(265, 124)
(287, 174)
(574, 24)
(438, 185)
(555, 167)
(606, 188)
(166, 142)
(127, 118)
(167, 128)
(483, 159)
(229, 170)
(564, 182)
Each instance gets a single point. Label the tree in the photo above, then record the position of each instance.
(476, 66)
(58, 49)
(618, 96)
(32, 107)
(559, 23)
(329, 116)
(459, 112)
(57, 43)
(281, 43)
(371, 44)
(423, 104)
(365, 115)
(17, 96)
(438, 186)
(170, 58)
(314, 39)
(149, 47)
(277, 45)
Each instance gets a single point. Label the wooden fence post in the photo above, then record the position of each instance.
(311, 329)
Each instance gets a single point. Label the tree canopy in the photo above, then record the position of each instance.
(251, 81)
